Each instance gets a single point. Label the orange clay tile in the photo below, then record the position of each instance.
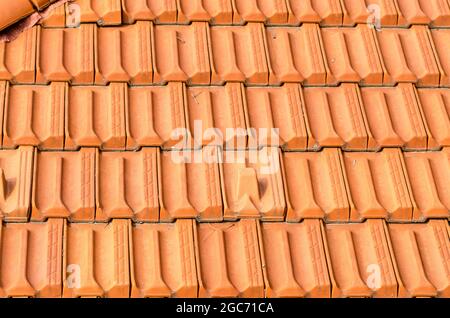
(55, 18)
(4, 88)
(102, 12)
(18, 58)
(158, 11)
(377, 186)
(34, 116)
(268, 11)
(295, 55)
(182, 53)
(239, 54)
(359, 260)
(281, 108)
(433, 12)
(436, 114)
(31, 259)
(422, 254)
(190, 188)
(13, 11)
(315, 186)
(127, 185)
(294, 260)
(163, 260)
(441, 40)
(16, 170)
(336, 118)
(228, 260)
(96, 260)
(252, 185)
(352, 55)
(216, 11)
(429, 175)
(358, 11)
(217, 114)
(95, 117)
(409, 56)
(124, 54)
(66, 55)
(64, 185)
(394, 117)
(154, 113)
(325, 12)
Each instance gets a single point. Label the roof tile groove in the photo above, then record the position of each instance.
(358, 255)
(163, 11)
(16, 180)
(441, 39)
(228, 260)
(429, 246)
(96, 257)
(64, 185)
(102, 12)
(163, 260)
(31, 260)
(294, 260)
(95, 116)
(216, 12)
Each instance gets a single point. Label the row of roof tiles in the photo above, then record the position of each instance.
(435, 13)
(152, 186)
(201, 55)
(241, 259)
(118, 117)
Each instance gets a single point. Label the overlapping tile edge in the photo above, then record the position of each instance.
(364, 152)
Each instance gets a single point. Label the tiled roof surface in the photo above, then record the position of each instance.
(226, 148)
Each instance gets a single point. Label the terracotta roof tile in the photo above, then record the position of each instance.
(436, 114)
(190, 189)
(429, 173)
(409, 56)
(281, 108)
(352, 55)
(18, 58)
(215, 12)
(395, 118)
(13, 11)
(64, 185)
(4, 87)
(239, 54)
(182, 53)
(422, 257)
(164, 11)
(163, 260)
(359, 11)
(325, 12)
(124, 54)
(56, 18)
(218, 114)
(229, 263)
(128, 185)
(153, 114)
(96, 257)
(441, 41)
(95, 116)
(34, 116)
(377, 186)
(15, 181)
(66, 55)
(31, 259)
(360, 260)
(433, 12)
(294, 260)
(295, 55)
(268, 11)
(102, 12)
(315, 186)
(252, 185)
(336, 118)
